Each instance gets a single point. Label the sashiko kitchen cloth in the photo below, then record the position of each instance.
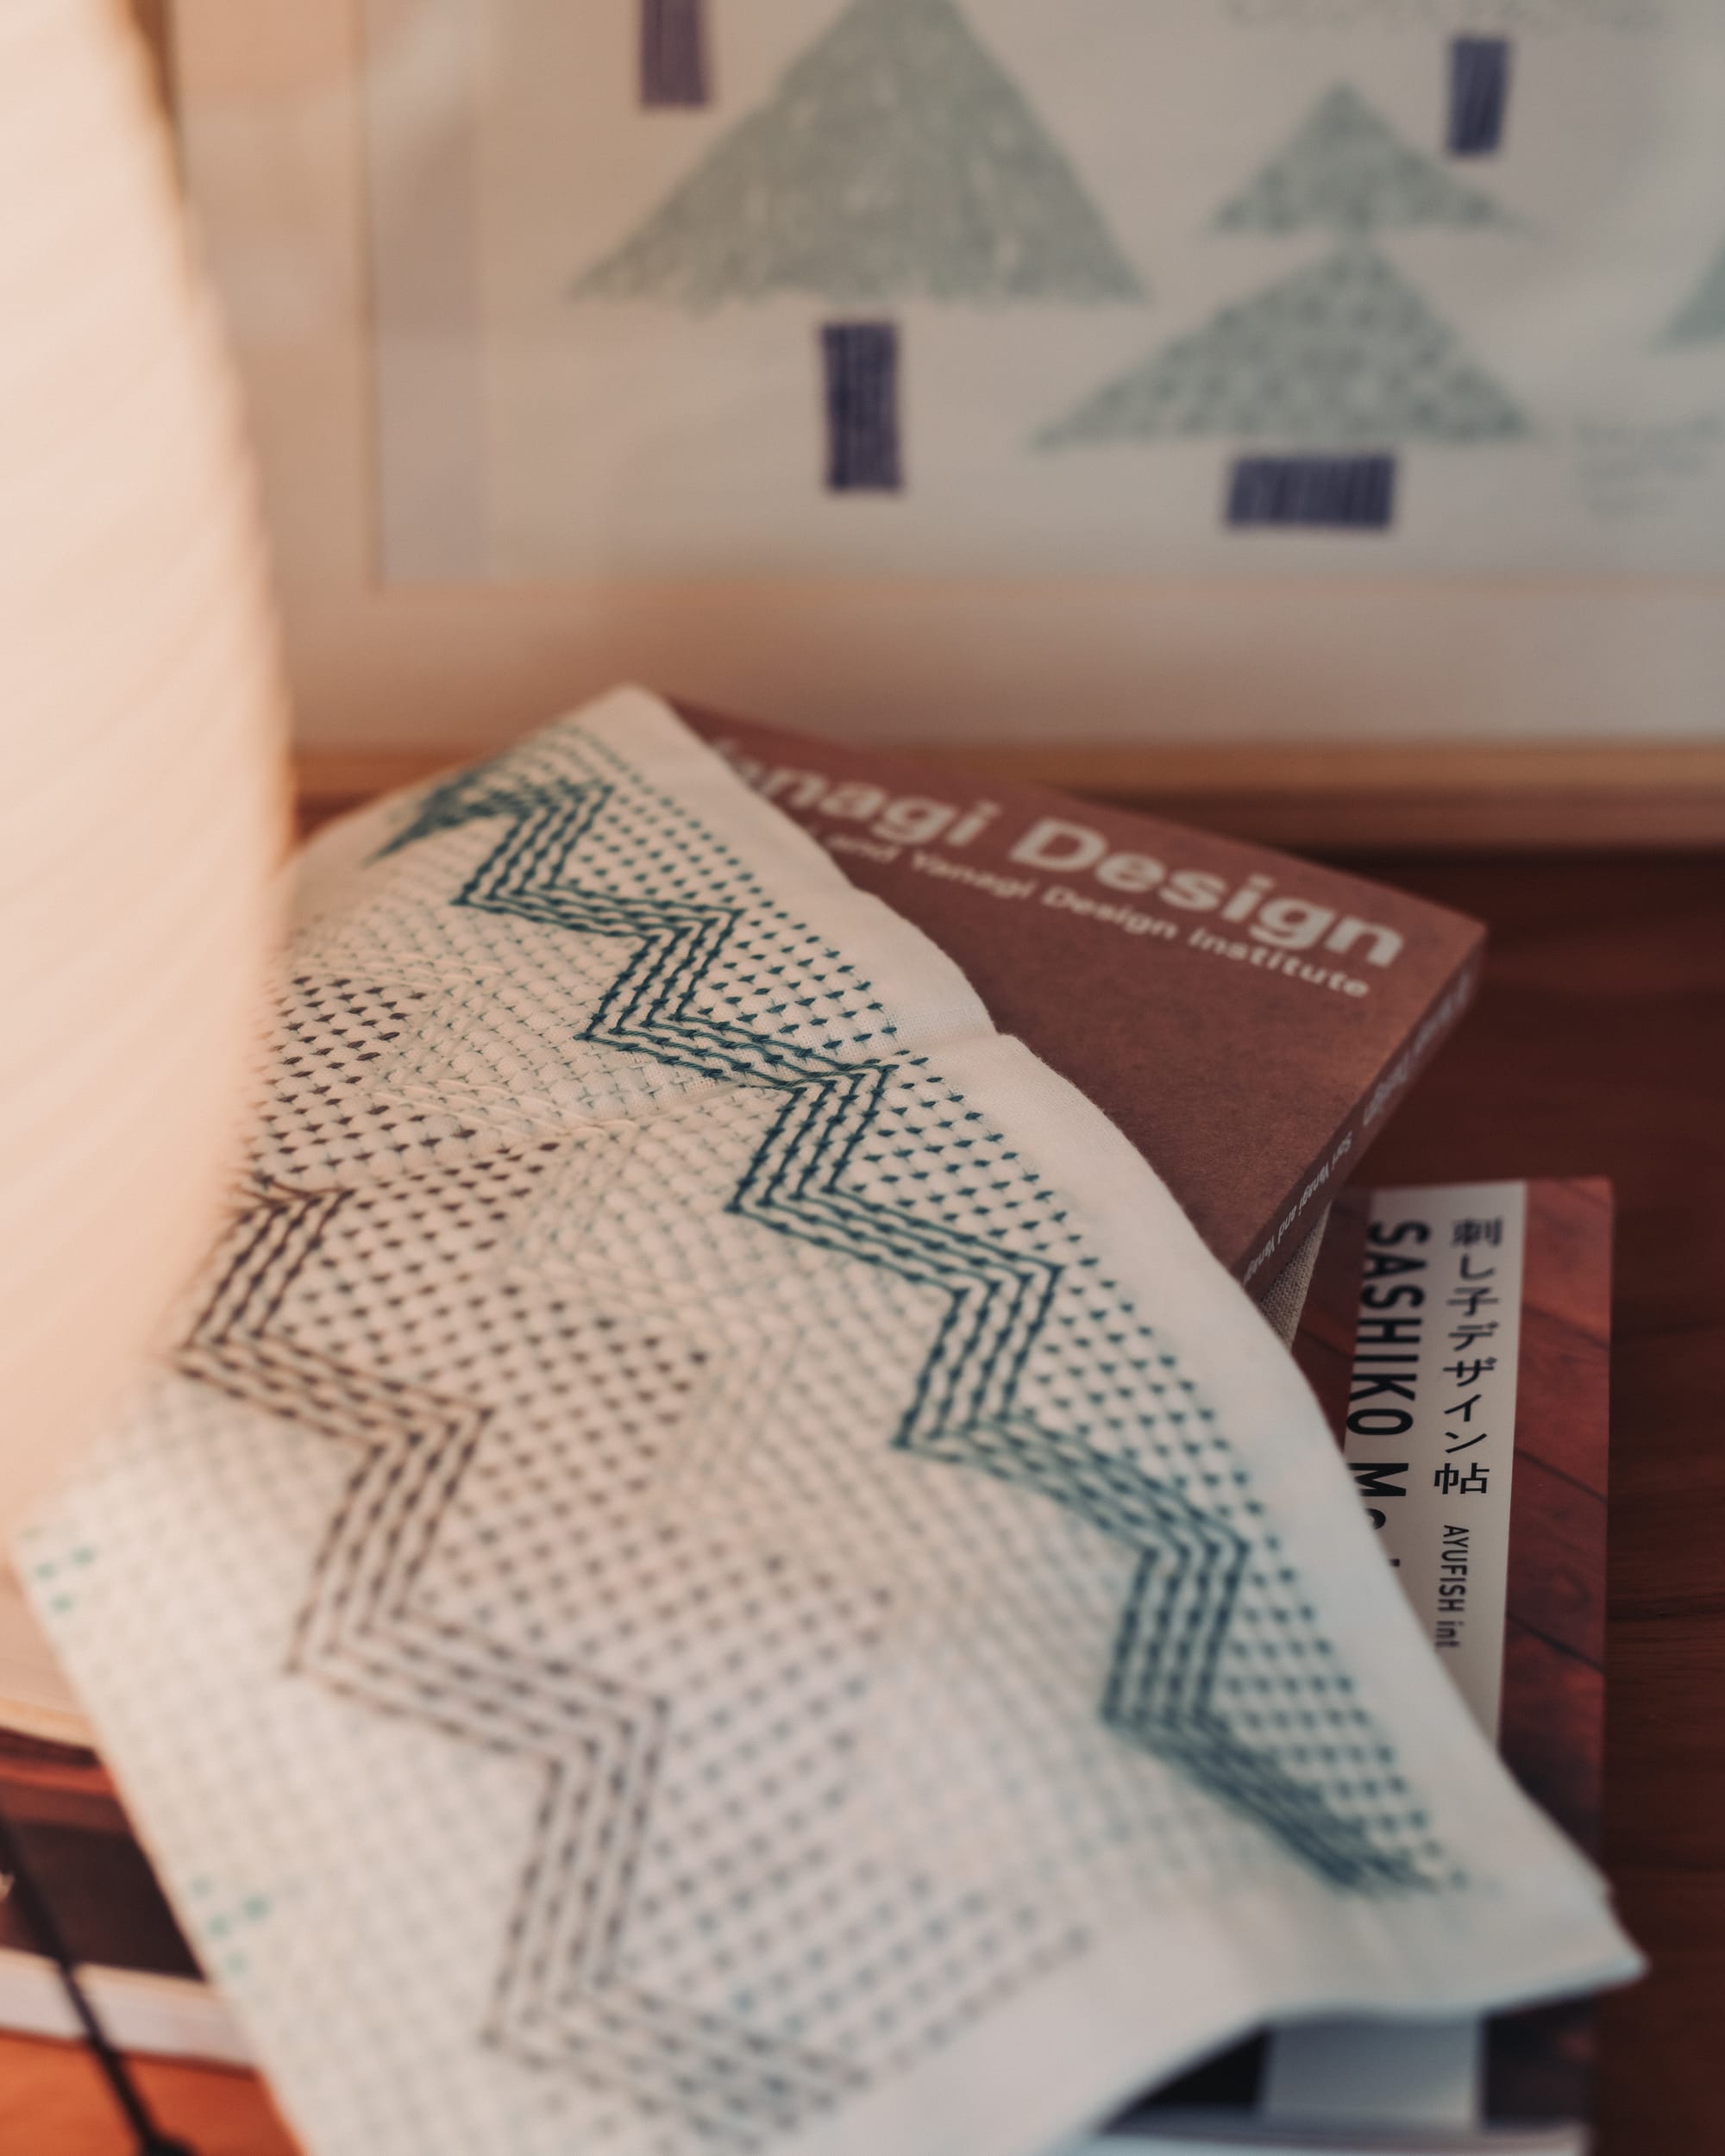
(718, 1567)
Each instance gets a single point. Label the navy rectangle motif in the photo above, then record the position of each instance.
(1479, 95)
(861, 363)
(1345, 493)
(674, 65)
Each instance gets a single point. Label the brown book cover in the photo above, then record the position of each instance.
(1246, 1018)
(72, 1832)
(1360, 1343)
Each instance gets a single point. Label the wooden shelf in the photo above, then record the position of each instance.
(1339, 796)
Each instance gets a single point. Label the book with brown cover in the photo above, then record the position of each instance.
(1524, 2082)
(1247, 1019)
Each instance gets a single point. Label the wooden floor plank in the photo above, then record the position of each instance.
(54, 2102)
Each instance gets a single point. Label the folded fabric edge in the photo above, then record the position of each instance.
(1074, 2050)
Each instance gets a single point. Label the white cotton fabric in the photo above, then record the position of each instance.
(720, 1567)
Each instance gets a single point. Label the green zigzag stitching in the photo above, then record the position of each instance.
(598, 1741)
(1158, 1693)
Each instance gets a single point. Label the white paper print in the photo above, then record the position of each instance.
(721, 288)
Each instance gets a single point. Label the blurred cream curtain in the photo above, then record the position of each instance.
(140, 812)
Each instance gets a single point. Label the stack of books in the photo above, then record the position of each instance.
(1250, 1021)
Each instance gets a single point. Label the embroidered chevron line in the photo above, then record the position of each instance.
(1183, 1591)
(1161, 1692)
(558, 1997)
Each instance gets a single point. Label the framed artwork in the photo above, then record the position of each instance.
(1239, 373)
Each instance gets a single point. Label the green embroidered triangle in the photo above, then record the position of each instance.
(895, 160)
(1342, 354)
(1348, 170)
(1701, 319)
